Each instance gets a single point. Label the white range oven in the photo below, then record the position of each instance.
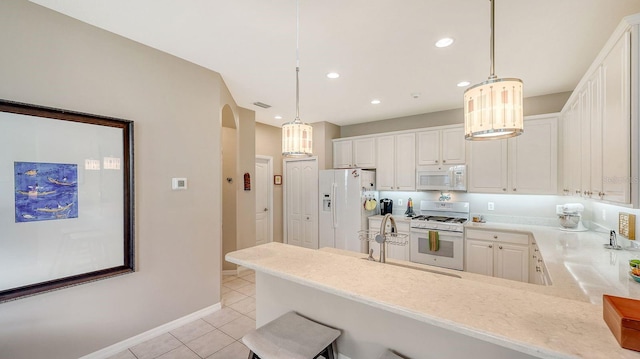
(437, 234)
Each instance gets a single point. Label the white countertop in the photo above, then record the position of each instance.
(520, 316)
(579, 266)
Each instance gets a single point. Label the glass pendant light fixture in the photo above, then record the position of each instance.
(493, 109)
(297, 137)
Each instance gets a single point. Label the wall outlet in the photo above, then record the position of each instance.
(400, 202)
(490, 206)
(604, 215)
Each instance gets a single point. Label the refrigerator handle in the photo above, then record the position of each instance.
(333, 205)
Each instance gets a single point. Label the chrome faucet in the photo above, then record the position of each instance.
(382, 236)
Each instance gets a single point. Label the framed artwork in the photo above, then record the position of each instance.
(277, 179)
(66, 199)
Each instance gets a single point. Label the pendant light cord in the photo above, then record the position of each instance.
(297, 60)
(493, 66)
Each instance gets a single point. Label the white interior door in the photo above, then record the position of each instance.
(264, 200)
(301, 202)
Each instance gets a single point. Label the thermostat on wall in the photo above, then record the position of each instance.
(178, 183)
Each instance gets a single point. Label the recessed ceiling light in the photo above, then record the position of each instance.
(333, 75)
(375, 102)
(464, 83)
(278, 117)
(444, 42)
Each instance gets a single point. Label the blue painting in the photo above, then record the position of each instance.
(45, 191)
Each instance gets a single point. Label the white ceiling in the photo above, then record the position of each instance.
(383, 49)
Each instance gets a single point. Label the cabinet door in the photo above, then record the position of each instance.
(397, 251)
(533, 158)
(595, 110)
(453, 146)
(405, 160)
(585, 140)
(429, 147)
(479, 257)
(364, 152)
(488, 166)
(566, 150)
(573, 158)
(511, 261)
(342, 154)
(616, 122)
(385, 169)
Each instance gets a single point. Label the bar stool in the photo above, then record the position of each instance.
(291, 337)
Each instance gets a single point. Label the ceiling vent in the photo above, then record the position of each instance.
(260, 104)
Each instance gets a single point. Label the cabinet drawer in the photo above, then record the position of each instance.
(506, 237)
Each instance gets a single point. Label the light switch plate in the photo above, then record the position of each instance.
(178, 183)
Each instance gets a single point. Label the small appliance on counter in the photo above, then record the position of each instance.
(570, 217)
(409, 212)
(386, 206)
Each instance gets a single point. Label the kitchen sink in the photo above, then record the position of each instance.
(420, 269)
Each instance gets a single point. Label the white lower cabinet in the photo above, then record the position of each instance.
(498, 254)
(393, 251)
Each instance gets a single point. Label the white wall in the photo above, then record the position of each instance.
(52, 60)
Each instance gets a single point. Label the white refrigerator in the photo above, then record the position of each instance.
(342, 211)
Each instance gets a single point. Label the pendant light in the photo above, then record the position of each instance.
(297, 137)
(493, 109)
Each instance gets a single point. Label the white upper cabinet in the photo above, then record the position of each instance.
(533, 157)
(488, 166)
(524, 164)
(599, 146)
(616, 131)
(396, 166)
(441, 146)
(354, 153)
(343, 154)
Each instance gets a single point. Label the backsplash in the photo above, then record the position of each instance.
(524, 209)
(517, 209)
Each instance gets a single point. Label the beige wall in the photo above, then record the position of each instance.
(269, 143)
(52, 60)
(229, 192)
(246, 211)
(532, 106)
(323, 133)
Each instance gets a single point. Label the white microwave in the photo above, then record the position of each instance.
(441, 178)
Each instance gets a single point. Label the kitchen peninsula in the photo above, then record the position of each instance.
(423, 314)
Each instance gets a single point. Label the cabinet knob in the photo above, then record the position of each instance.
(536, 250)
(490, 246)
(504, 189)
(535, 256)
(265, 209)
(444, 161)
(514, 190)
(437, 161)
(538, 269)
(499, 247)
(495, 236)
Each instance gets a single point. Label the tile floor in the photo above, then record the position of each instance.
(216, 336)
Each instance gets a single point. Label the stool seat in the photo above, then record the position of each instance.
(291, 337)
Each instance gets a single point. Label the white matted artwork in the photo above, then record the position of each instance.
(66, 198)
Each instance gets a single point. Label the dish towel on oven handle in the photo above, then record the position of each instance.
(434, 241)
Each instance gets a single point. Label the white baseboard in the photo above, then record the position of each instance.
(340, 356)
(230, 272)
(143, 337)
